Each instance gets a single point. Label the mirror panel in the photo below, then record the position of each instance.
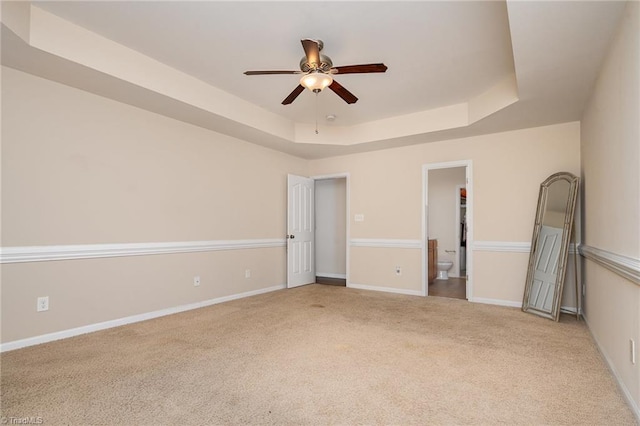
(550, 245)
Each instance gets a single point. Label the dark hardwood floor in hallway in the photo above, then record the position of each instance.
(331, 281)
(455, 288)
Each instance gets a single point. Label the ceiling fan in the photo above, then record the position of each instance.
(318, 73)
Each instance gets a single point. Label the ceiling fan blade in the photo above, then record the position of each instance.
(293, 95)
(271, 72)
(312, 51)
(359, 69)
(346, 95)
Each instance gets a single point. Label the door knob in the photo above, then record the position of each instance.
(291, 236)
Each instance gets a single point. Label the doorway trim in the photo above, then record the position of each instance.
(468, 165)
(346, 176)
(458, 232)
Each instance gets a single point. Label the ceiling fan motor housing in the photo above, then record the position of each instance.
(325, 64)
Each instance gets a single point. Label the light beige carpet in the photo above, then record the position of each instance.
(321, 355)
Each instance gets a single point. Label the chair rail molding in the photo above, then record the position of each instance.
(93, 251)
(385, 243)
(626, 267)
(509, 246)
(502, 246)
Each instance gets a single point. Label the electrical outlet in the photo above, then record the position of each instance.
(247, 273)
(632, 349)
(196, 281)
(398, 270)
(43, 304)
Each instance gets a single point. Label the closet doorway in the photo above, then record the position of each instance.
(331, 223)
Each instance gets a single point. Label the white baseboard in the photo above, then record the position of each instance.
(514, 304)
(499, 302)
(331, 275)
(50, 337)
(633, 404)
(386, 289)
(569, 310)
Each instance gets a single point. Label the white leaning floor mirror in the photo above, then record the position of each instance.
(552, 233)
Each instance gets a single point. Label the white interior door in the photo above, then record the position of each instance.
(546, 268)
(300, 231)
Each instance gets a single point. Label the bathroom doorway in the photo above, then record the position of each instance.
(447, 220)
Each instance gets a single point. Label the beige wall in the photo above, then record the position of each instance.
(365, 269)
(611, 174)
(81, 169)
(90, 291)
(386, 186)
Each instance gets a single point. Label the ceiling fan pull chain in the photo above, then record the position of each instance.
(317, 113)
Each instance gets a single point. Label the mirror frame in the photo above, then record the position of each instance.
(564, 248)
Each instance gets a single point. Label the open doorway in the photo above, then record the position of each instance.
(331, 223)
(311, 218)
(447, 219)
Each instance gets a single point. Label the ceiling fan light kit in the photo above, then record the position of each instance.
(318, 70)
(316, 81)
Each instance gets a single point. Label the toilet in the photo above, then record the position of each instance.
(443, 267)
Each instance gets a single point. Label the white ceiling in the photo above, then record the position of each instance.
(439, 54)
